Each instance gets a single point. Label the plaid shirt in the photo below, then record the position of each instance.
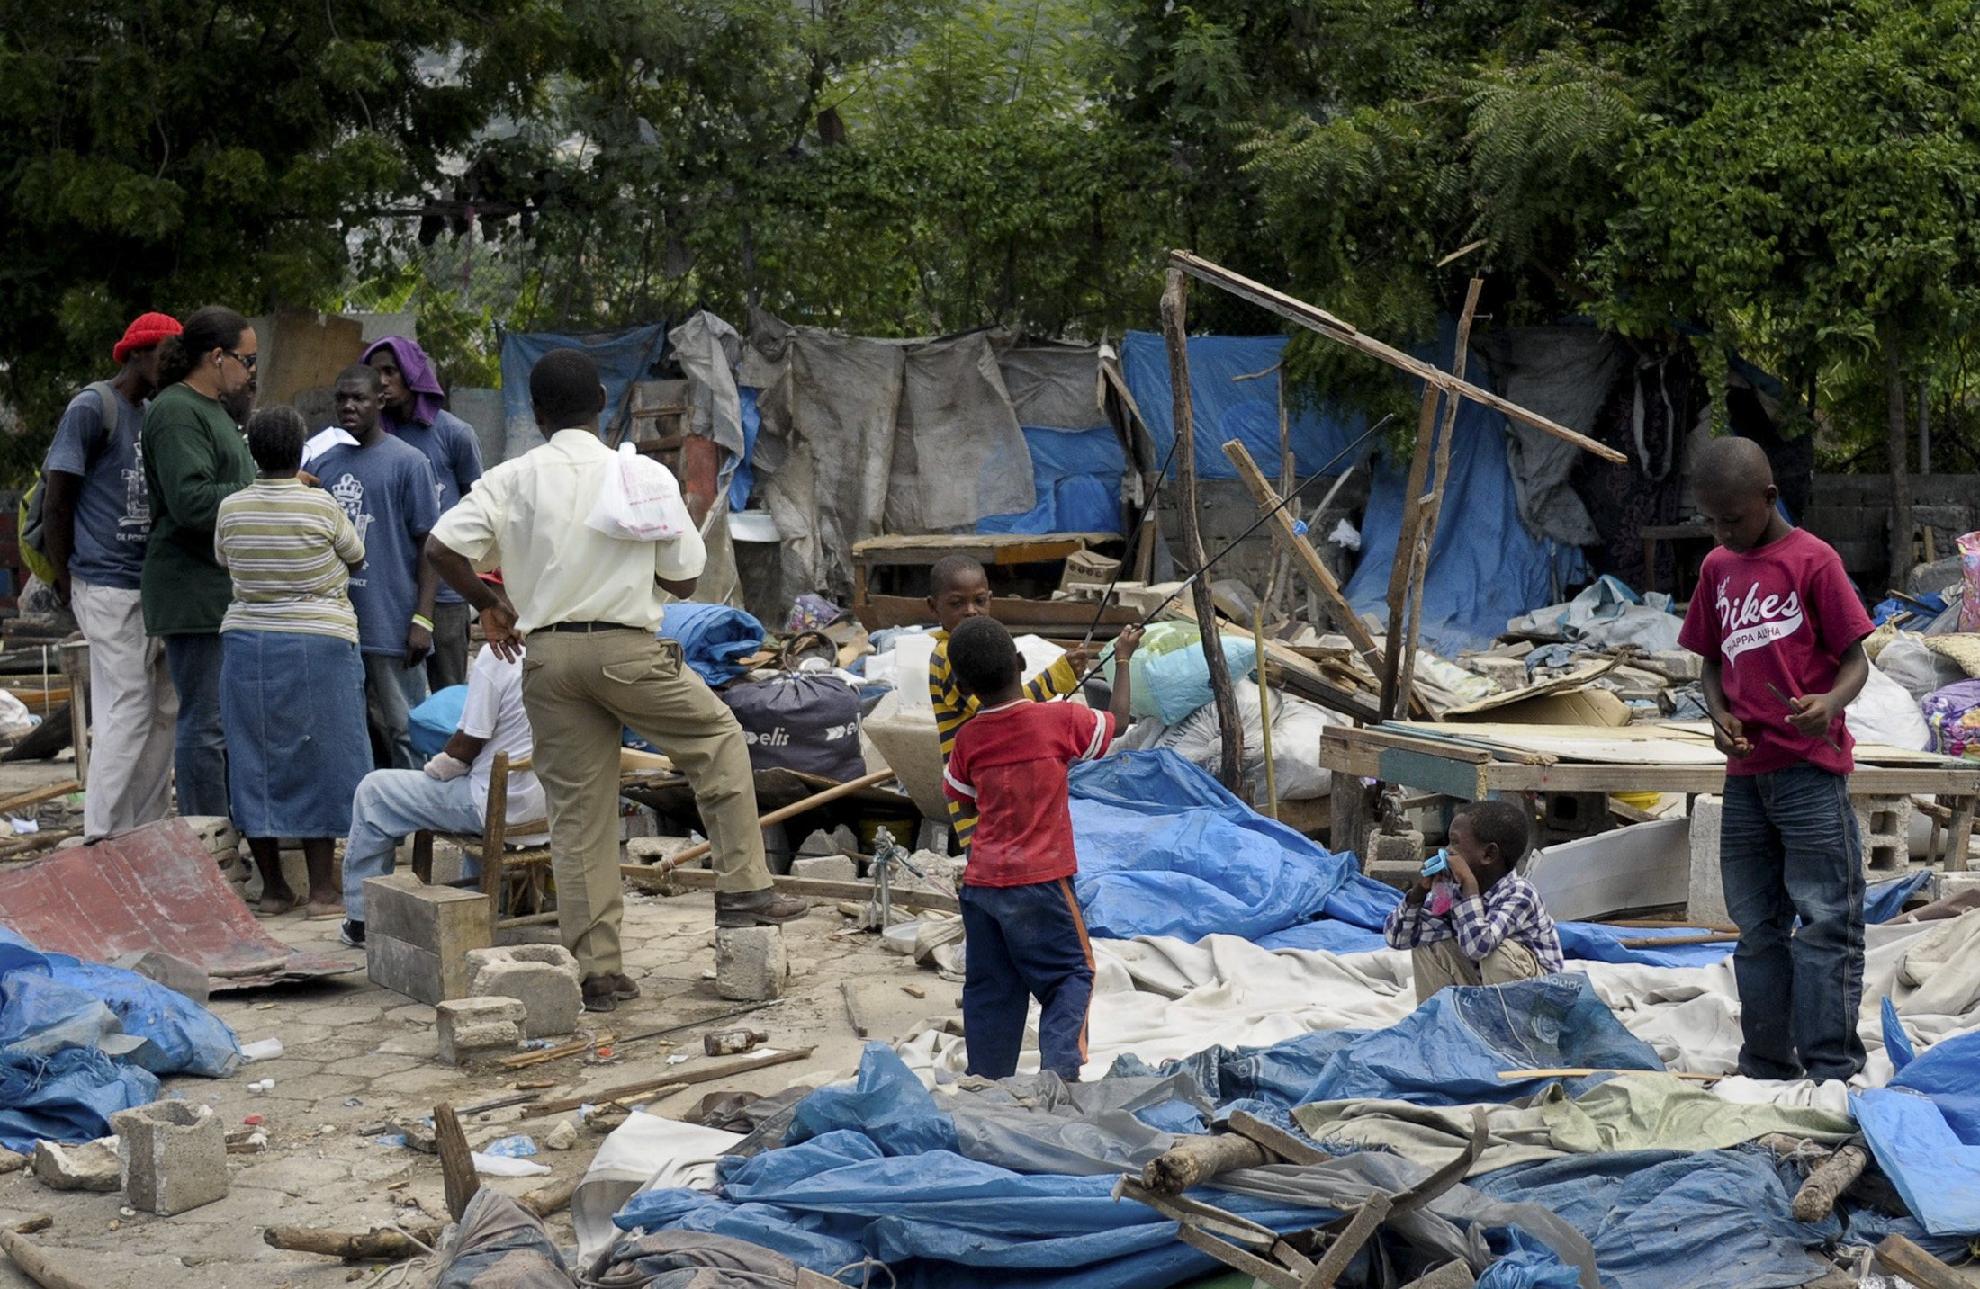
(1511, 910)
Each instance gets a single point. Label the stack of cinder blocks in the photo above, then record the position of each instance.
(417, 937)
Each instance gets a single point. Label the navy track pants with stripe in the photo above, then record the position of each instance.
(1025, 942)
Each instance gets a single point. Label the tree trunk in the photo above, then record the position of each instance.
(1175, 305)
(1900, 473)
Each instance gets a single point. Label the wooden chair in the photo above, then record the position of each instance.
(512, 879)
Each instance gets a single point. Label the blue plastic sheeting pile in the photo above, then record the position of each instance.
(876, 1171)
(80, 1041)
(1449, 1051)
(1924, 1128)
(1164, 849)
(713, 638)
(1078, 477)
(434, 721)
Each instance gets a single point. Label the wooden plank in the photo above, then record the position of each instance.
(1434, 771)
(1326, 324)
(1295, 672)
(1401, 565)
(677, 1079)
(1902, 1257)
(1301, 551)
(998, 548)
(817, 888)
(1038, 617)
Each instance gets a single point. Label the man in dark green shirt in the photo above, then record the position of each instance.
(194, 457)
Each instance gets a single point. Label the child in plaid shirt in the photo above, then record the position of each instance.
(1479, 923)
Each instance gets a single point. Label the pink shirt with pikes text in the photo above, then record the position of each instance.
(1783, 615)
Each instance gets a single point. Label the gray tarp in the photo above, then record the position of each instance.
(708, 350)
(1054, 386)
(862, 436)
(1565, 374)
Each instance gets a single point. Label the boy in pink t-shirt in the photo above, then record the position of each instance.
(1781, 632)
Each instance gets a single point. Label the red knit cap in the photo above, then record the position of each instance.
(148, 330)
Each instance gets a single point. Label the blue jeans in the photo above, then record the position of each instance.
(1788, 847)
(1025, 942)
(199, 749)
(391, 691)
(390, 806)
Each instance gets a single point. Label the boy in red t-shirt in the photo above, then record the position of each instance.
(1781, 632)
(1024, 935)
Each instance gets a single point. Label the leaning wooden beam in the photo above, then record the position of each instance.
(1304, 557)
(1326, 324)
(1230, 728)
(1402, 566)
(1433, 504)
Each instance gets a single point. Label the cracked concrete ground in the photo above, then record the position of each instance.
(355, 1054)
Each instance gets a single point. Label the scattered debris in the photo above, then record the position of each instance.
(92, 1166)
(561, 1137)
(732, 1042)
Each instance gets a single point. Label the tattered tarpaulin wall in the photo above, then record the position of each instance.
(622, 357)
(1077, 458)
(1227, 408)
(863, 436)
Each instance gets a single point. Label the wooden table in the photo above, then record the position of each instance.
(992, 550)
(1472, 761)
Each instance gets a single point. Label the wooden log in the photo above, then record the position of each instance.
(818, 888)
(1303, 556)
(1433, 505)
(678, 1079)
(860, 1028)
(1817, 1197)
(35, 1263)
(777, 816)
(1326, 324)
(1902, 1257)
(1400, 567)
(1195, 1160)
(1230, 729)
(456, 1159)
(389, 1244)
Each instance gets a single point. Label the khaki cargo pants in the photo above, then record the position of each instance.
(1441, 963)
(580, 688)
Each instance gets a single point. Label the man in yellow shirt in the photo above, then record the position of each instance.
(589, 605)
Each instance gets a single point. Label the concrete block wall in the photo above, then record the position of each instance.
(1852, 512)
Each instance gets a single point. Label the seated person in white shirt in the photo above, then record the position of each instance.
(451, 793)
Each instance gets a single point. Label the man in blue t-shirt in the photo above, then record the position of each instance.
(388, 490)
(413, 414)
(96, 518)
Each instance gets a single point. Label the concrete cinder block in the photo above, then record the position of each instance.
(543, 977)
(749, 963)
(830, 868)
(1706, 900)
(417, 937)
(92, 1166)
(471, 1029)
(1885, 826)
(1946, 885)
(172, 1155)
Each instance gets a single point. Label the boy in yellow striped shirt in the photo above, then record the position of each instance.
(958, 590)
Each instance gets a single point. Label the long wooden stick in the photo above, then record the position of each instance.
(1675, 941)
(391, 1244)
(777, 816)
(1304, 557)
(1433, 504)
(456, 1159)
(817, 888)
(679, 1078)
(36, 1264)
(1326, 324)
(1175, 307)
(35, 797)
(1402, 566)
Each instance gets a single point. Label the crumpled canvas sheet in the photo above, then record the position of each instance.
(1565, 374)
(1628, 1112)
(861, 436)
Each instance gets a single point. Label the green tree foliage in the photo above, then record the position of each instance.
(165, 154)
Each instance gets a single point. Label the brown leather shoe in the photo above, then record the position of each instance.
(758, 908)
(623, 987)
(598, 994)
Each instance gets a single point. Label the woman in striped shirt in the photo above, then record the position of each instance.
(291, 681)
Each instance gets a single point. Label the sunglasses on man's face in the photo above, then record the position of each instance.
(247, 361)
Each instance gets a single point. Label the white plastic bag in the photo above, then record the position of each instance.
(1885, 713)
(640, 501)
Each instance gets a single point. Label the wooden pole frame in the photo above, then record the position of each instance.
(1175, 308)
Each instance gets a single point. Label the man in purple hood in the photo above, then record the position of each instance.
(413, 413)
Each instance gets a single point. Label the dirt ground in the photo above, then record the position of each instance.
(355, 1054)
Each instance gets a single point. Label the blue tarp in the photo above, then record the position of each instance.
(1925, 1131)
(1078, 477)
(54, 1009)
(622, 357)
(1164, 849)
(743, 481)
(1226, 408)
(1485, 567)
(712, 637)
(1676, 1220)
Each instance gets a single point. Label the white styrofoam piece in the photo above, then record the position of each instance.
(1640, 866)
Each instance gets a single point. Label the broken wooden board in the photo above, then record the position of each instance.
(1497, 703)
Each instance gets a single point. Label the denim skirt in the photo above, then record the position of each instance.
(292, 706)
